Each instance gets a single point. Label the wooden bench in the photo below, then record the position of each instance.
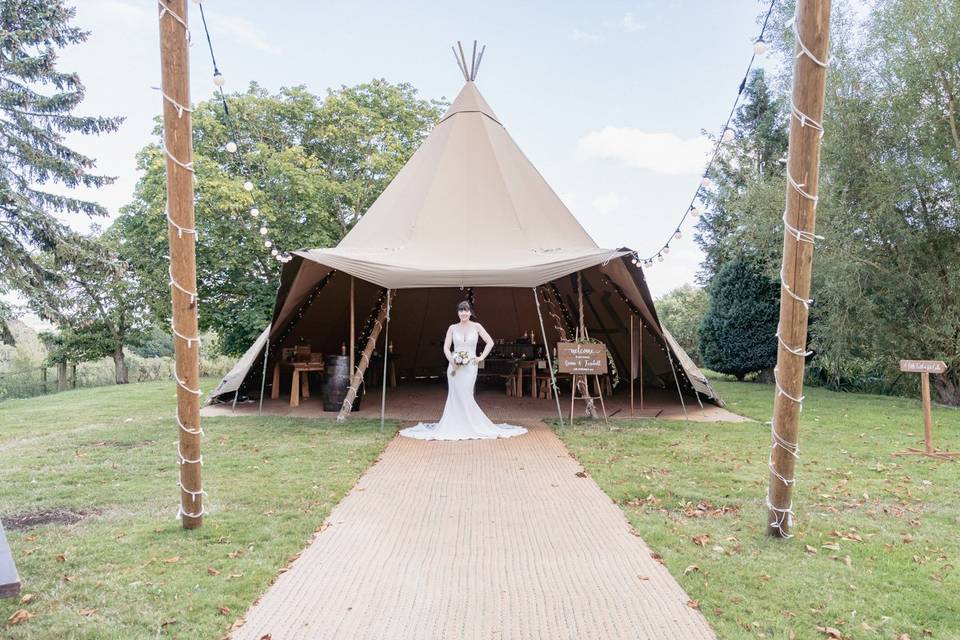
(9, 581)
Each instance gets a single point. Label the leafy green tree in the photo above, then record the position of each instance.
(37, 103)
(96, 302)
(682, 310)
(316, 164)
(744, 207)
(737, 334)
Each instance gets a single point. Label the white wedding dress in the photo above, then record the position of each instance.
(462, 419)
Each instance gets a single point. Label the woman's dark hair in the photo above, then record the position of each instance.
(464, 305)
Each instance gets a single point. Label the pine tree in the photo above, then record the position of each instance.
(737, 334)
(37, 102)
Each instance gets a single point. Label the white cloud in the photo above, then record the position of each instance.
(242, 31)
(631, 25)
(658, 152)
(607, 202)
(583, 36)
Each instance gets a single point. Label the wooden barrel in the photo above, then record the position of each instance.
(336, 383)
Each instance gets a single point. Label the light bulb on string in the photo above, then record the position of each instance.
(218, 79)
(263, 231)
(274, 251)
(248, 185)
(728, 135)
(665, 250)
(254, 212)
(231, 147)
(267, 243)
(706, 183)
(694, 211)
(759, 47)
(633, 261)
(678, 234)
(659, 257)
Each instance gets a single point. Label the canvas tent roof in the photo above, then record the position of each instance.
(468, 210)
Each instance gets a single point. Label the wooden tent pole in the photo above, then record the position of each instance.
(364, 361)
(633, 372)
(353, 324)
(812, 29)
(675, 378)
(386, 349)
(178, 146)
(263, 374)
(581, 382)
(546, 348)
(640, 333)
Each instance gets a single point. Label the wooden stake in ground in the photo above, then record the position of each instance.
(178, 147)
(925, 368)
(364, 361)
(811, 26)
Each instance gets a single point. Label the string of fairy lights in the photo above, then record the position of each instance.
(232, 148)
(727, 136)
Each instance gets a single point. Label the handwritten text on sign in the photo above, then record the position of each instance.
(582, 357)
(923, 366)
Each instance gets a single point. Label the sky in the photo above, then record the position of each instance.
(607, 98)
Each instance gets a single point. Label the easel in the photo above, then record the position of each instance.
(586, 386)
(925, 368)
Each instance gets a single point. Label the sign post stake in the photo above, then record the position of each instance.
(925, 368)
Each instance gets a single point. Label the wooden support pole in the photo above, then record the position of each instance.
(178, 141)
(633, 371)
(364, 361)
(812, 25)
(353, 325)
(386, 349)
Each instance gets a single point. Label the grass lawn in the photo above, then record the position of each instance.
(126, 569)
(876, 552)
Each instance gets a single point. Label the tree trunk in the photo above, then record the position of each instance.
(947, 386)
(740, 375)
(120, 366)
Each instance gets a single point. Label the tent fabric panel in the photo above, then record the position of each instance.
(378, 269)
(233, 379)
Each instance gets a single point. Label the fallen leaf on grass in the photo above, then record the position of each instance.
(27, 597)
(701, 539)
(61, 558)
(903, 636)
(87, 612)
(580, 474)
(167, 623)
(234, 554)
(212, 571)
(765, 577)
(224, 610)
(693, 604)
(172, 559)
(809, 549)
(833, 546)
(20, 615)
(832, 633)
(847, 561)
(692, 567)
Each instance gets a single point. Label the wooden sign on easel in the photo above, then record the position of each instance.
(582, 359)
(925, 368)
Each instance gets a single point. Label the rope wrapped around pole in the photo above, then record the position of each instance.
(364, 361)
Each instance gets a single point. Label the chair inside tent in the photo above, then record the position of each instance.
(468, 217)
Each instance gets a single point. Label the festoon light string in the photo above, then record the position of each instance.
(783, 515)
(186, 166)
(727, 135)
(231, 147)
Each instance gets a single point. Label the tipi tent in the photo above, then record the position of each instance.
(467, 216)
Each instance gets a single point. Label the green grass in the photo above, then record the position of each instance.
(902, 578)
(128, 569)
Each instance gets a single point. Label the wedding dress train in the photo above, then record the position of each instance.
(462, 419)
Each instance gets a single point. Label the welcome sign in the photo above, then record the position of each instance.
(582, 358)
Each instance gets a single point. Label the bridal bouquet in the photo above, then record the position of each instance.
(460, 358)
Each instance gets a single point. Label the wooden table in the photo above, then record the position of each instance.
(532, 366)
(298, 384)
(9, 580)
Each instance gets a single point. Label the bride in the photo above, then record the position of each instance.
(462, 418)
